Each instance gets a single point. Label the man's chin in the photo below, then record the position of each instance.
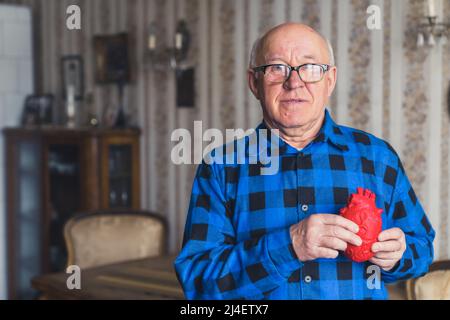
(292, 123)
(287, 122)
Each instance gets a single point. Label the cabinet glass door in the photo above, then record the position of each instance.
(28, 219)
(120, 176)
(64, 175)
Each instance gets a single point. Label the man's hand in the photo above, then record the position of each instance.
(322, 235)
(389, 249)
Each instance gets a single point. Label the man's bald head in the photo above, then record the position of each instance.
(258, 50)
(291, 104)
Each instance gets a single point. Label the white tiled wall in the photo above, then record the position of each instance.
(16, 81)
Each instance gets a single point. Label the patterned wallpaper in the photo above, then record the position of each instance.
(359, 56)
(386, 64)
(334, 44)
(223, 32)
(415, 102)
(227, 62)
(310, 13)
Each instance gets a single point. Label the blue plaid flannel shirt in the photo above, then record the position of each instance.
(237, 243)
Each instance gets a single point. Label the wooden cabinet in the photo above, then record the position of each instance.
(53, 173)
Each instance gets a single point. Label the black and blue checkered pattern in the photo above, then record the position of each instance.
(237, 243)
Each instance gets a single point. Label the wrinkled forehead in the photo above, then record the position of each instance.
(293, 43)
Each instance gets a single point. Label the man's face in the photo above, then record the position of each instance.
(294, 103)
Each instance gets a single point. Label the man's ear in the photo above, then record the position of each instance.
(331, 80)
(253, 83)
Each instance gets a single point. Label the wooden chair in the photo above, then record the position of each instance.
(435, 285)
(106, 237)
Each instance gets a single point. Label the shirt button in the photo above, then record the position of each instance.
(304, 207)
(308, 279)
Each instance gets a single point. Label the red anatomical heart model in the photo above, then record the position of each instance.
(362, 210)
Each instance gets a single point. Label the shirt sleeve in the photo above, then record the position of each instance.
(212, 264)
(406, 212)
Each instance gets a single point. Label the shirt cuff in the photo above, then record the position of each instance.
(281, 253)
(397, 270)
(395, 267)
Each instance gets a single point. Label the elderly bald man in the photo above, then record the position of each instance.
(280, 236)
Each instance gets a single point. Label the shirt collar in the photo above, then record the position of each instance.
(329, 132)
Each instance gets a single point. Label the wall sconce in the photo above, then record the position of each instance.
(432, 32)
(158, 57)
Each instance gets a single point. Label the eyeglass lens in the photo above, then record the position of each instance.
(280, 73)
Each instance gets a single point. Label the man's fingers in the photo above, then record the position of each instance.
(390, 234)
(327, 253)
(343, 234)
(334, 219)
(333, 243)
(384, 263)
(387, 255)
(387, 246)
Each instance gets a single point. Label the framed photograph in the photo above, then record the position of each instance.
(112, 63)
(73, 75)
(38, 110)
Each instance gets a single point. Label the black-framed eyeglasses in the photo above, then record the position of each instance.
(308, 72)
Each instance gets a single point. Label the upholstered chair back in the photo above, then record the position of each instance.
(101, 238)
(435, 285)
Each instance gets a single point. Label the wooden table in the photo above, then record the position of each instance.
(151, 278)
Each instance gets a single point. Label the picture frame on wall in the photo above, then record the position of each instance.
(112, 59)
(73, 75)
(38, 110)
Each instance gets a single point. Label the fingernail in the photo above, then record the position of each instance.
(375, 247)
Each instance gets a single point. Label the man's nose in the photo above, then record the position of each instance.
(294, 81)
